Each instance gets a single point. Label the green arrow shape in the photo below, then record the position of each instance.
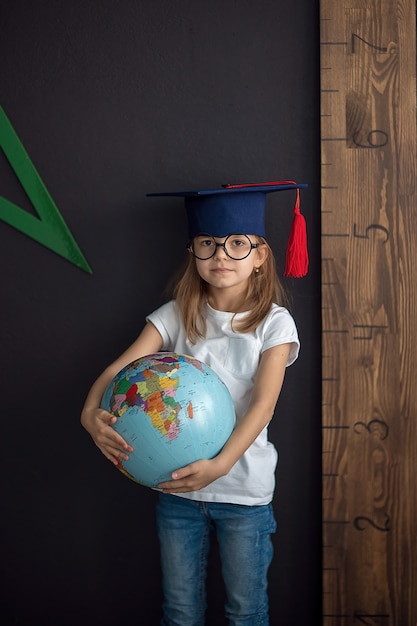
(49, 229)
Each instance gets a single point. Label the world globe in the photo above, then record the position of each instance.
(173, 410)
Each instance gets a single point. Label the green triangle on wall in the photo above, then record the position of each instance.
(49, 229)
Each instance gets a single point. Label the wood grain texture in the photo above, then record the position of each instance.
(369, 299)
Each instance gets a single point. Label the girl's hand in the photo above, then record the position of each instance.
(194, 476)
(98, 423)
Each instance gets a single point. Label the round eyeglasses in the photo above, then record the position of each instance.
(237, 247)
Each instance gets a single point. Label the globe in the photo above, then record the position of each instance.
(173, 410)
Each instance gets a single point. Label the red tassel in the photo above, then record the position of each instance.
(296, 264)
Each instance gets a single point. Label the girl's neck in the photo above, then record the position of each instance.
(220, 300)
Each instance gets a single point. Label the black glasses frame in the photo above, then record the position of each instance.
(222, 245)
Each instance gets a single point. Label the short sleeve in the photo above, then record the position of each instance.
(166, 321)
(279, 328)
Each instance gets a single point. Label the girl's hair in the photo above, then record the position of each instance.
(264, 288)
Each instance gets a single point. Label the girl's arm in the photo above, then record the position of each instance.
(267, 387)
(98, 421)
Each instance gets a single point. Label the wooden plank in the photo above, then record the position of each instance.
(369, 274)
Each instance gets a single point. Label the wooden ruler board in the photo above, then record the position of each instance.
(369, 311)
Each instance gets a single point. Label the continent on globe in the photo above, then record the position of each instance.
(153, 392)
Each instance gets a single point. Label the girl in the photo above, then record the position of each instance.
(227, 312)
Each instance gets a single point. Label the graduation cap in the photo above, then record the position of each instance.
(234, 209)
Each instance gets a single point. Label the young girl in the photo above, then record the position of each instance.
(227, 312)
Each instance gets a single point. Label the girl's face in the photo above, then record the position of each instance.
(222, 272)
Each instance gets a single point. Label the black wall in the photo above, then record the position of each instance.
(113, 99)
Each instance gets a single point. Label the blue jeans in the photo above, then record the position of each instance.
(245, 546)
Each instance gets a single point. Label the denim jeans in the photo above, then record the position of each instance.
(245, 547)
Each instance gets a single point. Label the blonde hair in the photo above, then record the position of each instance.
(264, 288)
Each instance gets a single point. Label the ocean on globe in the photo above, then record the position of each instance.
(173, 410)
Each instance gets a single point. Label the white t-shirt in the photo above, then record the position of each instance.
(235, 358)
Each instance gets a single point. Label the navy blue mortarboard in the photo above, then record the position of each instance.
(234, 209)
